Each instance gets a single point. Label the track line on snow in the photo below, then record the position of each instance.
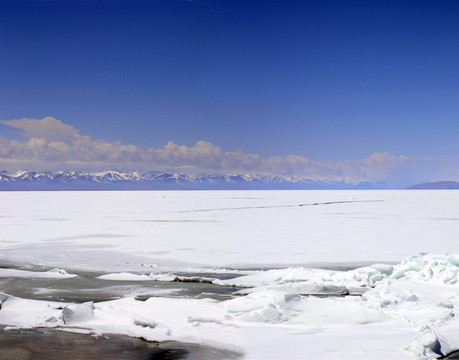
(280, 206)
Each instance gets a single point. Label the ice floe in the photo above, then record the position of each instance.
(51, 274)
(165, 277)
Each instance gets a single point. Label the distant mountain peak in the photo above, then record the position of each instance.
(437, 185)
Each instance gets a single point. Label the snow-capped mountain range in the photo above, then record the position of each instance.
(151, 180)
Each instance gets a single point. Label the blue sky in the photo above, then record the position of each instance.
(325, 80)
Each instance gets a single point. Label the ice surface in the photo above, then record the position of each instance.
(51, 274)
(394, 251)
(123, 231)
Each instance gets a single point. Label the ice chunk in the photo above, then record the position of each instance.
(429, 268)
(78, 312)
(3, 298)
(261, 307)
(426, 345)
(385, 294)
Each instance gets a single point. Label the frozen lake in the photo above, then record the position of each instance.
(96, 230)
(269, 274)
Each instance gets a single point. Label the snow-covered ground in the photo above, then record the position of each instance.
(386, 287)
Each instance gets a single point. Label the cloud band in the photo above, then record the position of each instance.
(51, 144)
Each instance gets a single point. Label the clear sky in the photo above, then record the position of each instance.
(326, 80)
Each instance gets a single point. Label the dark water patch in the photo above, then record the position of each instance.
(229, 291)
(200, 291)
(452, 355)
(26, 267)
(46, 344)
(88, 287)
(228, 276)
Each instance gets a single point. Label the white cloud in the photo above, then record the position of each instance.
(51, 144)
(47, 128)
(202, 154)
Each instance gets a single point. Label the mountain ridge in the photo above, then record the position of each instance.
(156, 180)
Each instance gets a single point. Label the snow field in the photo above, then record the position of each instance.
(372, 298)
